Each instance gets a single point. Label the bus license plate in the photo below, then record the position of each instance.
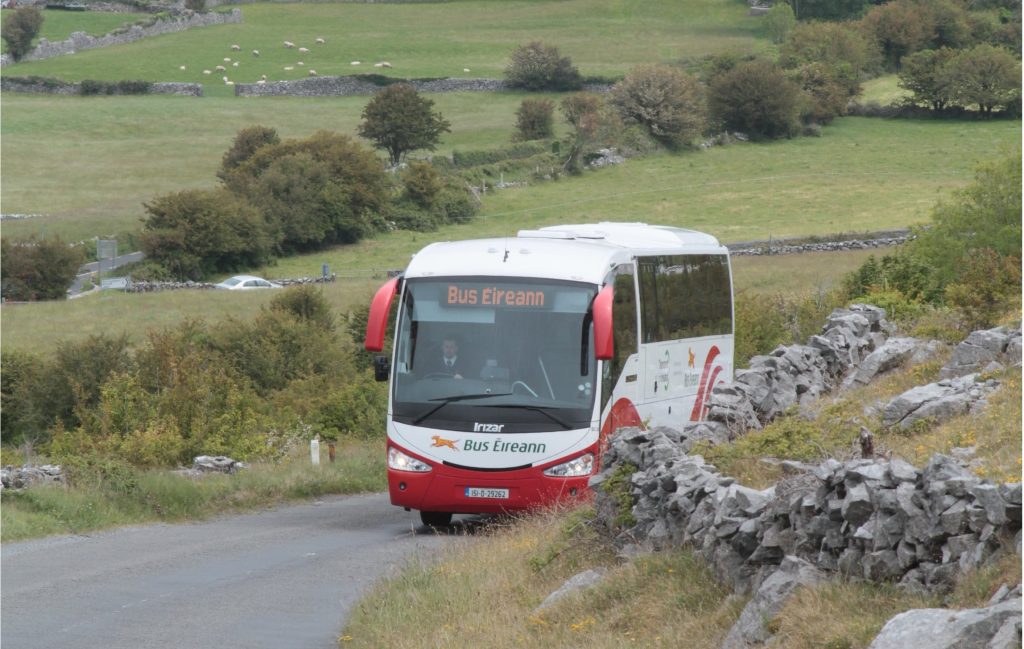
(480, 492)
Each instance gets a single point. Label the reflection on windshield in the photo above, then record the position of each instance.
(470, 349)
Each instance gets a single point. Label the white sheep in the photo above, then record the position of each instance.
(312, 72)
(289, 44)
(299, 63)
(235, 64)
(235, 48)
(227, 59)
(207, 71)
(382, 64)
(261, 82)
(263, 77)
(229, 83)
(356, 63)
(289, 68)
(304, 50)
(320, 41)
(465, 69)
(181, 67)
(220, 68)
(255, 52)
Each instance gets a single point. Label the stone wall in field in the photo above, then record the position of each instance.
(79, 41)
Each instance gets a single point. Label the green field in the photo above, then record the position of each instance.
(58, 25)
(603, 37)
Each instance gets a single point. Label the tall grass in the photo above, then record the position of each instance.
(131, 496)
(486, 592)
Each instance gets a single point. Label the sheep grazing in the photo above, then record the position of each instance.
(181, 67)
(299, 63)
(289, 68)
(220, 68)
(261, 82)
(289, 44)
(382, 64)
(312, 72)
(235, 48)
(225, 79)
(304, 50)
(235, 64)
(465, 69)
(207, 71)
(356, 63)
(320, 41)
(229, 83)
(227, 59)
(263, 77)
(255, 52)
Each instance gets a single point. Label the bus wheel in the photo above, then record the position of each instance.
(436, 519)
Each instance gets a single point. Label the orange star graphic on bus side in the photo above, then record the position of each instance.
(692, 359)
(440, 442)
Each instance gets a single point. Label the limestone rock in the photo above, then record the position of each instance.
(943, 629)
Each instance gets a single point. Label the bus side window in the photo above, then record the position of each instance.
(624, 330)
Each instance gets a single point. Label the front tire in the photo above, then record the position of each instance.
(436, 519)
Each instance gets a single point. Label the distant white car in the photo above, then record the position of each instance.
(245, 283)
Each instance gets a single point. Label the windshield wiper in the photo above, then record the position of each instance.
(544, 411)
(458, 397)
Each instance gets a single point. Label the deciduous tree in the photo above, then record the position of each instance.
(398, 120)
(756, 98)
(541, 67)
(19, 28)
(669, 103)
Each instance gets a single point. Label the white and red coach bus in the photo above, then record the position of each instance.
(563, 335)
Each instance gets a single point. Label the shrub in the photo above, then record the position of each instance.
(422, 184)
(845, 51)
(307, 304)
(666, 101)
(38, 269)
(246, 142)
(541, 67)
(826, 95)
(323, 190)
(828, 9)
(988, 285)
(926, 75)
(535, 120)
(756, 98)
(194, 234)
(197, 6)
(398, 120)
(779, 20)
(518, 151)
(903, 27)
(20, 27)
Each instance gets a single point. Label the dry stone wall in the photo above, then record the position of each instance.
(79, 41)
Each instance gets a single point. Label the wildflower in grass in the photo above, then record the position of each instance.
(346, 638)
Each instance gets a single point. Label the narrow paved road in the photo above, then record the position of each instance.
(282, 578)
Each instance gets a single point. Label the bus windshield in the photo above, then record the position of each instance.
(516, 352)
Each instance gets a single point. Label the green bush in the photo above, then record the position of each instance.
(245, 144)
(765, 321)
(535, 120)
(778, 22)
(989, 286)
(38, 269)
(541, 67)
(756, 98)
(669, 103)
(20, 27)
(422, 185)
(196, 233)
(307, 304)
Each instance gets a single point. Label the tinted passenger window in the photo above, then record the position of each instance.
(685, 296)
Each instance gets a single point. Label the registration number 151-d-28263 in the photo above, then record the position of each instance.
(480, 492)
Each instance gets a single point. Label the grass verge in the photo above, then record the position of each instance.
(485, 592)
(106, 495)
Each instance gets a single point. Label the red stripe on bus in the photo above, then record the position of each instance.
(698, 405)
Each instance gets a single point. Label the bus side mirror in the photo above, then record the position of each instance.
(381, 368)
(377, 322)
(604, 340)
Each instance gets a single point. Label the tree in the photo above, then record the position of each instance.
(246, 142)
(900, 28)
(827, 96)
(756, 98)
(19, 28)
(535, 120)
(582, 111)
(778, 21)
(846, 51)
(194, 234)
(667, 102)
(38, 269)
(322, 190)
(987, 76)
(927, 76)
(541, 67)
(398, 119)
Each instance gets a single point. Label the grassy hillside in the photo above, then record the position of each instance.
(603, 37)
(58, 25)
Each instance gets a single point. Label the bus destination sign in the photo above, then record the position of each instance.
(495, 296)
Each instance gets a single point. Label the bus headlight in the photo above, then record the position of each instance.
(583, 465)
(399, 461)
